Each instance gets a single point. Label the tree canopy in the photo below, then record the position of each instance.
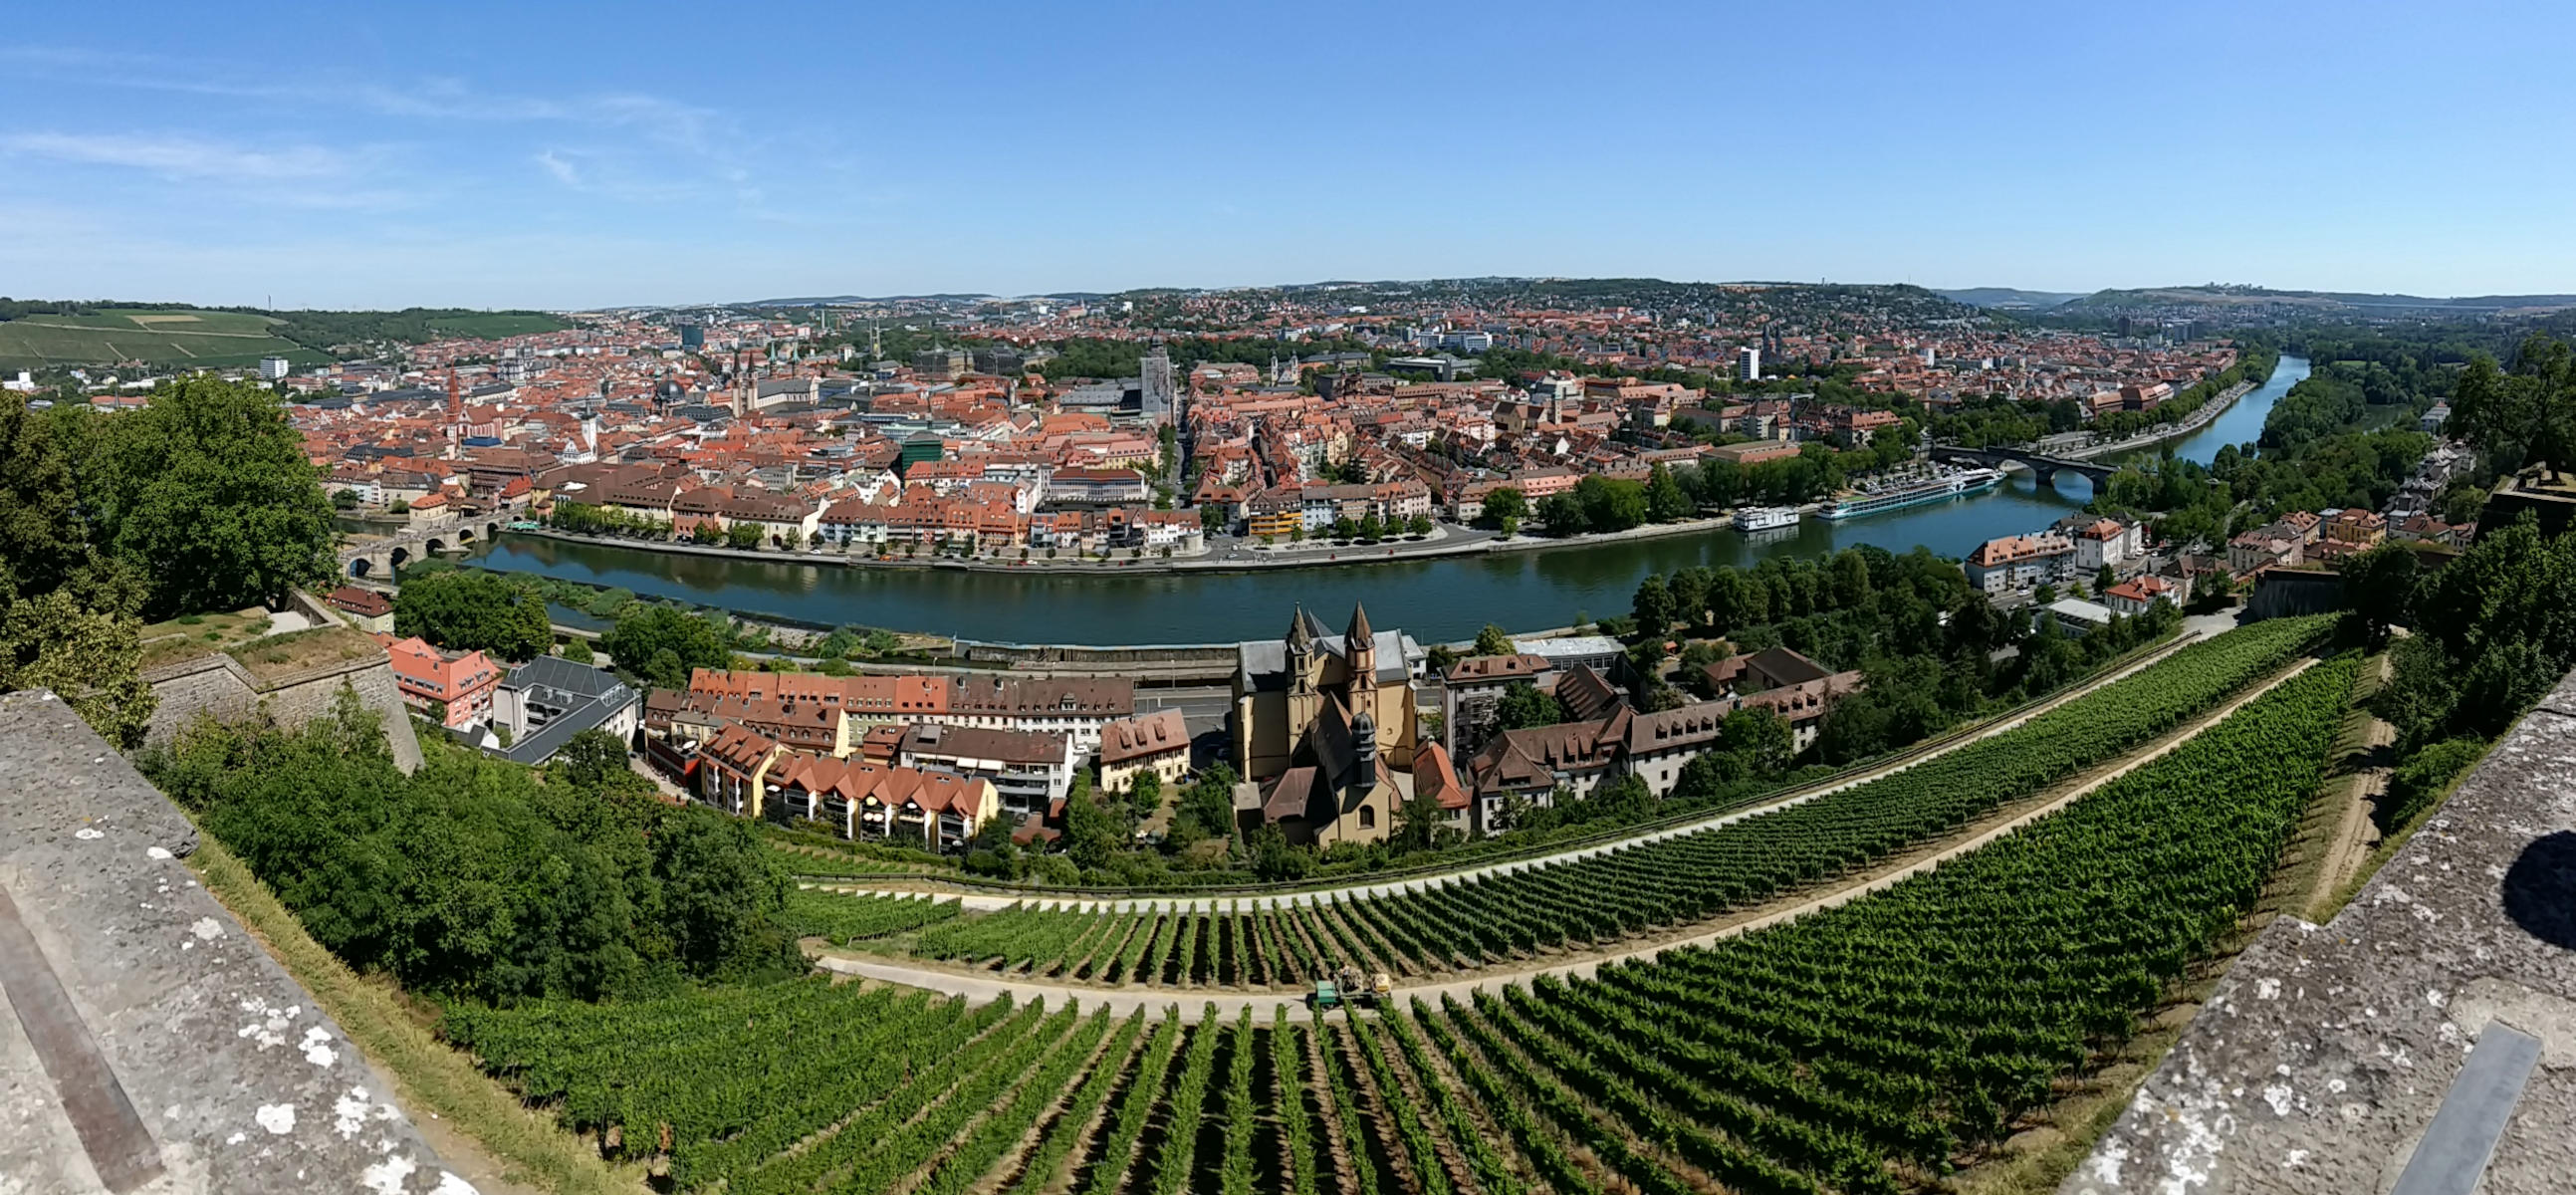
(67, 611)
(2526, 415)
(208, 491)
(473, 610)
(1524, 705)
(476, 877)
(661, 645)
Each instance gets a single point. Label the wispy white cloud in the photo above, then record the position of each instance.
(658, 118)
(636, 147)
(561, 168)
(183, 157)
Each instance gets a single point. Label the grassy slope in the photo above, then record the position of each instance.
(432, 1079)
(223, 340)
(201, 338)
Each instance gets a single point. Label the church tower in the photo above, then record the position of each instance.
(455, 418)
(1301, 655)
(1305, 700)
(1359, 646)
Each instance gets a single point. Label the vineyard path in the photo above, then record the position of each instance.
(1195, 1003)
(2197, 629)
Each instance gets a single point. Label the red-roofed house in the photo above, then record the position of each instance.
(734, 768)
(1434, 775)
(2133, 596)
(428, 676)
(365, 607)
(863, 800)
(1157, 742)
(2019, 561)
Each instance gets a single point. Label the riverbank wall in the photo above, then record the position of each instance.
(2207, 414)
(1357, 554)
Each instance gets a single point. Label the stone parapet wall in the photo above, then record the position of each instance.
(218, 686)
(155, 1045)
(2319, 1061)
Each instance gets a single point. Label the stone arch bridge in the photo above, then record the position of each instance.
(377, 559)
(2045, 466)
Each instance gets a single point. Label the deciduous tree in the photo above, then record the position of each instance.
(208, 491)
(473, 610)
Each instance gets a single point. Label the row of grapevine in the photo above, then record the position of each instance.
(1188, 1102)
(913, 1146)
(1061, 1136)
(1646, 887)
(1296, 1128)
(1726, 1143)
(894, 1125)
(1564, 1109)
(1409, 1124)
(1508, 1109)
(1011, 938)
(1234, 1174)
(1011, 1122)
(753, 1159)
(1144, 1091)
(1864, 1048)
(842, 919)
(1493, 1173)
(1346, 1109)
(1860, 1050)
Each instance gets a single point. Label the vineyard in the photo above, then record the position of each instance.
(842, 920)
(1873, 1047)
(1604, 899)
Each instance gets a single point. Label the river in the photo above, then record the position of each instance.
(1435, 600)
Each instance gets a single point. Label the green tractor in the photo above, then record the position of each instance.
(1326, 997)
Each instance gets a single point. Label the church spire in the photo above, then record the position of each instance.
(1301, 655)
(1359, 646)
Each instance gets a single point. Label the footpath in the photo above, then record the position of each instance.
(1194, 1003)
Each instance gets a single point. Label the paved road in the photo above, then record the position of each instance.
(986, 901)
(1194, 1002)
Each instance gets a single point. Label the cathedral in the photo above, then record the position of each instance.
(1325, 730)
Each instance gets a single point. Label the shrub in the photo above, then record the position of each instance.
(2419, 782)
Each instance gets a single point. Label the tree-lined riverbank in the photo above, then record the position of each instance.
(1436, 599)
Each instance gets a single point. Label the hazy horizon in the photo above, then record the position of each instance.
(490, 155)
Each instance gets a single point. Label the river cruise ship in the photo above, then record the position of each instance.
(1900, 495)
(1765, 518)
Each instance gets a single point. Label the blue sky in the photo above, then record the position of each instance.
(515, 154)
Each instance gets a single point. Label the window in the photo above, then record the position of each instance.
(1368, 817)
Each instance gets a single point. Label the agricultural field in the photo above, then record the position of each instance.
(1876, 1047)
(1606, 899)
(174, 337)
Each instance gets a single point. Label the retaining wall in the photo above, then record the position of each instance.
(218, 685)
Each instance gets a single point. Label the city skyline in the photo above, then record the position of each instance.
(490, 157)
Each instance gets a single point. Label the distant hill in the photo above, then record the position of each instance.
(1605, 290)
(2007, 296)
(2248, 296)
(39, 334)
(838, 300)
